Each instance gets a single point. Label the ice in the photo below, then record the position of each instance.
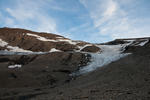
(109, 54)
(15, 66)
(5, 52)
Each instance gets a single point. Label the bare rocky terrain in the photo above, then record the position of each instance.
(48, 60)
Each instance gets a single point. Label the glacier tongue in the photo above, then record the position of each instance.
(109, 54)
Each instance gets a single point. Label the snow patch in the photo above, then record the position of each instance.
(11, 48)
(60, 39)
(3, 43)
(15, 66)
(17, 49)
(41, 38)
(82, 47)
(54, 50)
(143, 43)
(67, 40)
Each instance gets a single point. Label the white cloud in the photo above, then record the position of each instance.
(46, 24)
(110, 9)
(31, 15)
(9, 21)
(112, 20)
(20, 13)
(73, 29)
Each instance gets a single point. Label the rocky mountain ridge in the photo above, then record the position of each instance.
(29, 41)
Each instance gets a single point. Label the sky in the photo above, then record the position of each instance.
(93, 21)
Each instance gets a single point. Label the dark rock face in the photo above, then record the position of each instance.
(2, 48)
(116, 42)
(18, 59)
(43, 70)
(92, 49)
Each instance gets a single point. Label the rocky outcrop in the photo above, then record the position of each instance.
(92, 49)
(3, 48)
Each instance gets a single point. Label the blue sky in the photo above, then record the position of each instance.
(88, 20)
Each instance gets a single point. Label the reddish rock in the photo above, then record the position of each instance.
(81, 43)
(18, 37)
(92, 49)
